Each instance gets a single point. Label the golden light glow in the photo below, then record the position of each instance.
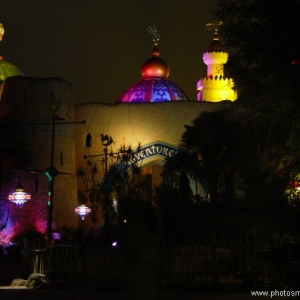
(1, 31)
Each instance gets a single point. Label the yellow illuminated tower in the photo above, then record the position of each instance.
(215, 87)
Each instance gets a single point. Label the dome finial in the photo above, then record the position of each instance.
(155, 38)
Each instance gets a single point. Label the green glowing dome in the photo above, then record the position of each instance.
(8, 70)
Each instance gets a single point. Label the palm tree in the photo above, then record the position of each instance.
(214, 151)
(121, 177)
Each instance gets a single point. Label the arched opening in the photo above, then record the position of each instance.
(88, 140)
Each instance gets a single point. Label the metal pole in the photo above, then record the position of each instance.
(51, 172)
(106, 191)
(51, 186)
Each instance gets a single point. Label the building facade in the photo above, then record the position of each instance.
(149, 115)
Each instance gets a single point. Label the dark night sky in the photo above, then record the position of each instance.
(100, 45)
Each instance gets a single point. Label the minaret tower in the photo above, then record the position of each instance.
(215, 87)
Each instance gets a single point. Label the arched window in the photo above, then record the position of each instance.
(88, 140)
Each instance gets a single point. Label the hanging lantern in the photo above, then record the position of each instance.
(82, 210)
(19, 197)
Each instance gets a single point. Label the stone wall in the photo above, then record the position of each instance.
(27, 101)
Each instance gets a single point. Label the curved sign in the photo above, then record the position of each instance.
(152, 150)
(144, 153)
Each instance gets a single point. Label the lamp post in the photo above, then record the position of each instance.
(52, 172)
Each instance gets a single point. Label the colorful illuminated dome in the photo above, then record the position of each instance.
(7, 69)
(154, 86)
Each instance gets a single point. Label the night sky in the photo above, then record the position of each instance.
(100, 45)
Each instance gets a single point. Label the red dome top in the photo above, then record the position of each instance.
(155, 66)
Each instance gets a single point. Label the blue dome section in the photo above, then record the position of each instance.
(152, 89)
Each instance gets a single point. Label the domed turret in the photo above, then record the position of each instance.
(154, 85)
(7, 69)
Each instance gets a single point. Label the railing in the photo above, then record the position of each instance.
(174, 263)
(106, 262)
(212, 263)
(59, 259)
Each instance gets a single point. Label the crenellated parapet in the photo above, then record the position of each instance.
(215, 89)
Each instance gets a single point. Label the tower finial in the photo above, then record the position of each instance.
(214, 25)
(1, 31)
(155, 36)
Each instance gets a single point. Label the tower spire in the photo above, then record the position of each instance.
(213, 25)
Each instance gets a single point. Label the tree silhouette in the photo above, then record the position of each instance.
(264, 58)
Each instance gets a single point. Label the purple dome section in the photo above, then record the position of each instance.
(152, 89)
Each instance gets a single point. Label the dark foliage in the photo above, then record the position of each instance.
(224, 151)
(264, 59)
(245, 153)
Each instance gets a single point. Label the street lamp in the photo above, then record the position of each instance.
(82, 210)
(19, 197)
